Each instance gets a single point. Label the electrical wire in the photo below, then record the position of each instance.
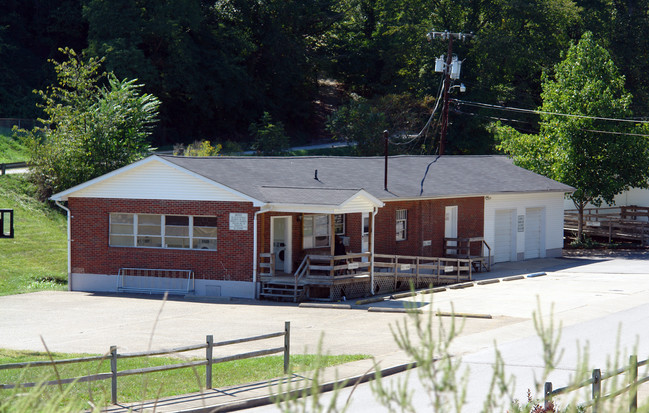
(530, 131)
(427, 125)
(540, 112)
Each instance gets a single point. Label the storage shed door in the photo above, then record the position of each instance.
(504, 239)
(533, 233)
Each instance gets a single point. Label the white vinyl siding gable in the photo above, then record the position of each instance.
(156, 180)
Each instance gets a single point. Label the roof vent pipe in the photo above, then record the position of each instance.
(385, 181)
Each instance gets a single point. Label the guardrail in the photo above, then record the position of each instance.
(114, 356)
(596, 383)
(11, 165)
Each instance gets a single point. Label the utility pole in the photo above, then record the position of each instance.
(451, 69)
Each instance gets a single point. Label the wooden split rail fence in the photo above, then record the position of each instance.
(114, 356)
(596, 385)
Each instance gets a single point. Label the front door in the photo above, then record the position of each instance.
(450, 228)
(280, 233)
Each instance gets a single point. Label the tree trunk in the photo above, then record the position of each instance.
(580, 223)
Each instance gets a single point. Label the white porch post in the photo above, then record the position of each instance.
(332, 243)
(255, 255)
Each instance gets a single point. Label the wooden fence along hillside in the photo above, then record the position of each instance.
(625, 223)
(596, 384)
(114, 356)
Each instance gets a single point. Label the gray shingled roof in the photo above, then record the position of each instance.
(292, 179)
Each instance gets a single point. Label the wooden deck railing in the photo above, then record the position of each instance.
(335, 265)
(472, 247)
(615, 223)
(435, 269)
(114, 356)
(267, 264)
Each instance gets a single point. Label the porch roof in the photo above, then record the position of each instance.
(319, 200)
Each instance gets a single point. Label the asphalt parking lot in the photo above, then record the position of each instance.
(90, 323)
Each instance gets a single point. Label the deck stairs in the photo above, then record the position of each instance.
(281, 290)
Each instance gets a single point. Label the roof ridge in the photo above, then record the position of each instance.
(311, 187)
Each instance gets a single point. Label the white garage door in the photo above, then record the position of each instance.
(533, 232)
(503, 231)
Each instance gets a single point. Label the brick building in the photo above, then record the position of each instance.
(217, 226)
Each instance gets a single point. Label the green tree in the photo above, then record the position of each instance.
(359, 124)
(270, 137)
(198, 148)
(89, 129)
(597, 156)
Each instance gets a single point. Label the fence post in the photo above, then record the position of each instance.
(287, 345)
(547, 395)
(633, 383)
(208, 357)
(597, 388)
(396, 264)
(113, 371)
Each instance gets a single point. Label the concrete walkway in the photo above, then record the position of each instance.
(91, 323)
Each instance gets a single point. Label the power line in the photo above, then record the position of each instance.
(540, 112)
(427, 125)
(616, 133)
(529, 131)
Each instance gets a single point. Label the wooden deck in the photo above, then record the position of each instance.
(626, 223)
(334, 278)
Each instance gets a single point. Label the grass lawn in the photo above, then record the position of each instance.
(142, 387)
(36, 258)
(11, 150)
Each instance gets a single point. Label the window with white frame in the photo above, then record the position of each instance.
(402, 224)
(162, 231)
(339, 224)
(316, 229)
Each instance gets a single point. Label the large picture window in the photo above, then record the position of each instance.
(162, 231)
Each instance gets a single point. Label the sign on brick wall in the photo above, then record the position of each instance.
(238, 221)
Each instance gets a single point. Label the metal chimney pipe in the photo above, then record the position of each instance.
(385, 182)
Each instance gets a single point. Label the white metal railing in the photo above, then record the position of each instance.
(155, 281)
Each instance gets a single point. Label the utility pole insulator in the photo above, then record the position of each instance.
(451, 70)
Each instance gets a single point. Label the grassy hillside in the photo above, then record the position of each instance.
(36, 258)
(11, 150)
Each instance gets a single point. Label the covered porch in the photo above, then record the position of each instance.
(317, 251)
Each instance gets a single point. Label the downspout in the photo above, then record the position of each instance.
(374, 212)
(254, 254)
(67, 211)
